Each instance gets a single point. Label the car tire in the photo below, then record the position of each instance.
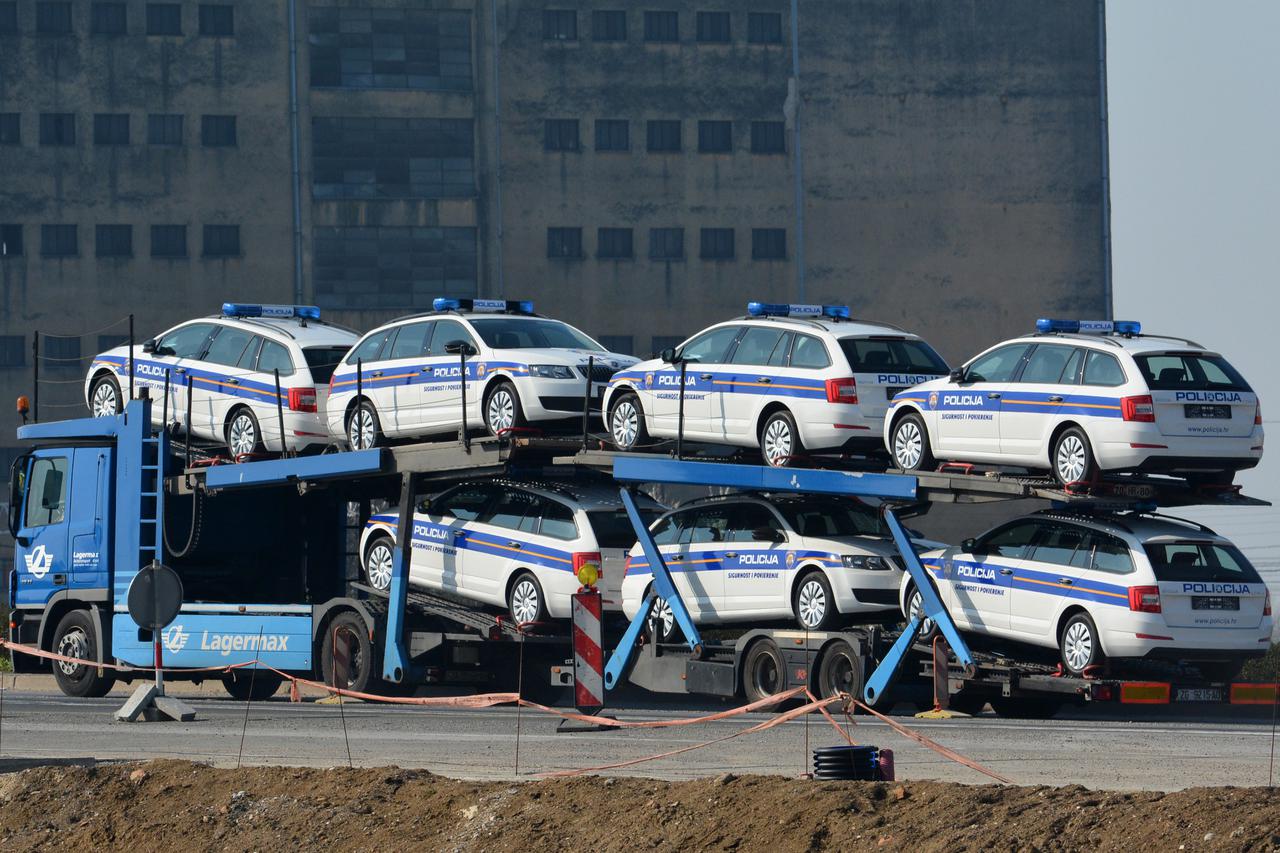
(762, 672)
(928, 628)
(105, 397)
(525, 600)
(246, 685)
(661, 625)
(1072, 458)
(75, 637)
(244, 435)
(352, 628)
(378, 562)
(909, 444)
(502, 411)
(1079, 644)
(626, 423)
(812, 603)
(840, 672)
(780, 439)
(364, 430)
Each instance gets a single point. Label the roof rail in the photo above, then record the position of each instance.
(1098, 516)
(1203, 528)
(1186, 341)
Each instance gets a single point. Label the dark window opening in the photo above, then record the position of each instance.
(609, 25)
(768, 137)
(218, 131)
(613, 134)
(613, 243)
(393, 158)
(53, 18)
(9, 16)
(715, 137)
(560, 24)
(764, 28)
(561, 134)
(768, 244)
(564, 242)
(666, 244)
(106, 342)
(164, 129)
(58, 241)
(13, 351)
(662, 26)
(10, 241)
(109, 19)
(390, 48)
(60, 351)
(57, 128)
(113, 241)
(10, 128)
(111, 129)
(221, 241)
(713, 27)
(164, 19)
(716, 244)
(168, 241)
(217, 20)
(625, 344)
(664, 135)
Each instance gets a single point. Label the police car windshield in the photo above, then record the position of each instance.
(1188, 371)
(323, 361)
(613, 528)
(1199, 561)
(831, 518)
(880, 355)
(531, 333)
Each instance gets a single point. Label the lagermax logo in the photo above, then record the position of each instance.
(39, 561)
(175, 639)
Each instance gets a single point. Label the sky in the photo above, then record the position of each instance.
(1195, 204)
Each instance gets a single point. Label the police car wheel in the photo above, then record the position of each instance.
(502, 409)
(626, 423)
(915, 606)
(349, 630)
(840, 671)
(74, 638)
(243, 434)
(525, 601)
(813, 604)
(245, 685)
(762, 673)
(104, 397)
(910, 444)
(661, 624)
(363, 429)
(780, 440)
(378, 561)
(1079, 644)
(1072, 457)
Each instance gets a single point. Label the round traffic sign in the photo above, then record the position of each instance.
(155, 596)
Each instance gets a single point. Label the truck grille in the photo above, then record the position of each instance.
(599, 372)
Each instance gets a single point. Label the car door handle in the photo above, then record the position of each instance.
(764, 380)
(731, 554)
(1055, 399)
(1065, 581)
(675, 558)
(993, 396)
(179, 370)
(424, 369)
(1006, 571)
(376, 373)
(704, 376)
(515, 545)
(233, 381)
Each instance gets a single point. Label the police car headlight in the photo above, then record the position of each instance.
(551, 371)
(861, 561)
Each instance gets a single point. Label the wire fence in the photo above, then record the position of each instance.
(54, 354)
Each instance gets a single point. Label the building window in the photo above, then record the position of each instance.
(560, 24)
(218, 131)
(716, 244)
(764, 28)
(60, 351)
(625, 344)
(58, 241)
(57, 128)
(609, 25)
(564, 243)
(715, 137)
(614, 243)
(13, 351)
(9, 16)
(664, 342)
(713, 27)
(768, 137)
(164, 129)
(10, 128)
(613, 134)
(393, 267)
(662, 26)
(366, 48)
(106, 342)
(221, 241)
(217, 20)
(113, 241)
(109, 19)
(168, 241)
(111, 129)
(664, 134)
(164, 19)
(53, 18)
(768, 244)
(561, 134)
(10, 241)
(666, 244)
(392, 158)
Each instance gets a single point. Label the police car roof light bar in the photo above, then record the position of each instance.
(246, 309)
(784, 309)
(1089, 327)
(492, 306)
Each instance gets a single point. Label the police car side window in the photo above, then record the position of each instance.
(778, 358)
(668, 530)
(446, 332)
(185, 342)
(709, 525)
(710, 347)
(228, 346)
(810, 353)
(1111, 554)
(1101, 368)
(249, 358)
(411, 341)
(996, 366)
(368, 349)
(1071, 373)
(748, 518)
(1058, 545)
(464, 504)
(510, 510)
(1012, 541)
(1046, 364)
(274, 357)
(557, 521)
(756, 346)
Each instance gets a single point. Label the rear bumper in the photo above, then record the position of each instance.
(1173, 454)
(1162, 642)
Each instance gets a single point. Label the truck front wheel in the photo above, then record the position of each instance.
(246, 685)
(76, 637)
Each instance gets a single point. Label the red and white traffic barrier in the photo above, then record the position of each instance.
(588, 656)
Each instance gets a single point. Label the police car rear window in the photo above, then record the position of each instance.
(524, 333)
(829, 518)
(877, 355)
(323, 361)
(613, 528)
(1176, 371)
(1199, 561)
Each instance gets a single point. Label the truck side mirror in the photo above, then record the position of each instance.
(149, 345)
(956, 375)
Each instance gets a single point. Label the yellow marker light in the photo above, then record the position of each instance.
(588, 574)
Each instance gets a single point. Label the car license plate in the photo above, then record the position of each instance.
(1198, 694)
(889, 393)
(1215, 602)
(1199, 411)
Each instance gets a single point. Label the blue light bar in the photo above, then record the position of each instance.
(497, 306)
(245, 309)
(1090, 327)
(783, 309)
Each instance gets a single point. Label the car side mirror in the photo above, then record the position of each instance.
(970, 546)
(668, 355)
(956, 375)
(459, 348)
(424, 505)
(767, 534)
(149, 345)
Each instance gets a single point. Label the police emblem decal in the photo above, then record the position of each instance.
(933, 399)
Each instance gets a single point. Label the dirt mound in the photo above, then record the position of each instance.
(163, 805)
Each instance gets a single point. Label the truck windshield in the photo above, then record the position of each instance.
(323, 361)
(831, 518)
(1189, 371)
(613, 528)
(880, 355)
(529, 333)
(1199, 561)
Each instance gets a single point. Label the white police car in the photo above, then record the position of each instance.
(1079, 397)
(1099, 586)
(225, 368)
(784, 378)
(511, 543)
(819, 560)
(520, 369)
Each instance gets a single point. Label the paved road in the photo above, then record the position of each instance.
(1113, 754)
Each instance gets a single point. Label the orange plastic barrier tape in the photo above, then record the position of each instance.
(41, 653)
(934, 745)
(610, 722)
(832, 720)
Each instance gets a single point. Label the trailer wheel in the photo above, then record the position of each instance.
(75, 638)
(350, 627)
(245, 685)
(762, 673)
(1025, 707)
(840, 671)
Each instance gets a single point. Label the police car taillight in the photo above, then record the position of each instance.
(1257, 414)
(302, 399)
(1141, 409)
(1144, 599)
(1266, 604)
(842, 390)
(242, 309)
(784, 309)
(492, 306)
(581, 558)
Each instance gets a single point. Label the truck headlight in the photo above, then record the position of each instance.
(862, 561)
(551, 371)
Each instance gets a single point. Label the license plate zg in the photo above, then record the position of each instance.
(1196, 410)
(1198, 694)
(1215, 602)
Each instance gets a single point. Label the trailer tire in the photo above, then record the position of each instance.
(1026, 707)
(245, 685)
(360, 670)
(75, 638)
(840, 672)
(762, 672)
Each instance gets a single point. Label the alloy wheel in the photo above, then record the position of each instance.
(524, 601)
(378, 566)
(501, 411)
(625, 424)
(812, 604)
(244, 435)
(777, 441)
(360, 430)
(104, 400)
(915, 608)
(908, 445)
(1071, 459)
(1077, 646)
